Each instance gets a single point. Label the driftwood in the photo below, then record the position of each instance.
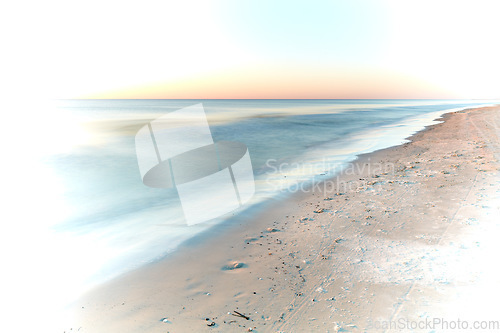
(240, 315)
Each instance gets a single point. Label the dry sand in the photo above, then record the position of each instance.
(412, 242)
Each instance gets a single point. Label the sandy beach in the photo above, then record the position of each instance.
(404, 236)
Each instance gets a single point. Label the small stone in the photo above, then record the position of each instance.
(233, 265)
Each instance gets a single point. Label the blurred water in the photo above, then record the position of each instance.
(108, 222)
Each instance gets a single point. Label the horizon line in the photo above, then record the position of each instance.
(276, 99)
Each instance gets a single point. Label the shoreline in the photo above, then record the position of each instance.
(153, 254)
(262, 208)
(179, 286)
(220, 228)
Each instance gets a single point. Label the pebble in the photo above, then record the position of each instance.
(233, 265)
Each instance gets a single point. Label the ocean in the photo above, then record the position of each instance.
(96, 218)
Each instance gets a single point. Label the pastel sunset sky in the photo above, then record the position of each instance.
(261, 49)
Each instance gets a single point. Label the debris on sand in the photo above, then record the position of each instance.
(232, 266)
(238, 314)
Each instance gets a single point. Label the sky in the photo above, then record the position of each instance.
(252, 49)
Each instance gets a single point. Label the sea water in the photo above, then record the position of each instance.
(96, 218)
